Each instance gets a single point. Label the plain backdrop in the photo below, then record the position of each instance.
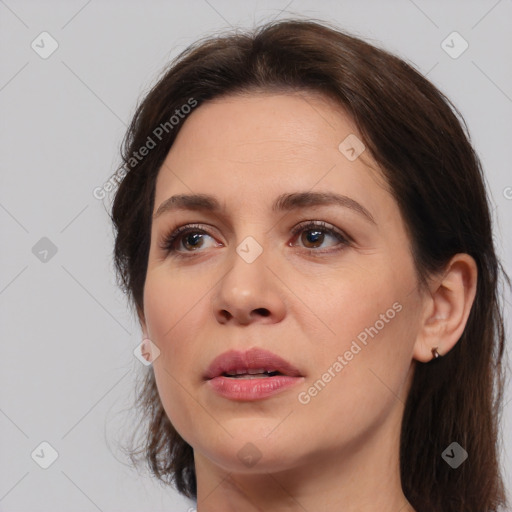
(68, 369)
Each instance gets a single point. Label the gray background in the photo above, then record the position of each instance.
(68, 371)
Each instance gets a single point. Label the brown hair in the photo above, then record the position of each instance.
(414, 133)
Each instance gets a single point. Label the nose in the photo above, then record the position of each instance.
(249, 292)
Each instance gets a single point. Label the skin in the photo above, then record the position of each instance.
(340, 450)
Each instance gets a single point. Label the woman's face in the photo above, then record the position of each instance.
(340, 306)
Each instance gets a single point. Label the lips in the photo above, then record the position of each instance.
(254, 363)
(253, 375)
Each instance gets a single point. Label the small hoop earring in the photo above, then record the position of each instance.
(435, 353)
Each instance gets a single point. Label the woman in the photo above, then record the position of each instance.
(304, 232)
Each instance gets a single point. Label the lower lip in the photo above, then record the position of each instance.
(252, 389)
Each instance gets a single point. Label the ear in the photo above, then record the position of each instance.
(446, 308)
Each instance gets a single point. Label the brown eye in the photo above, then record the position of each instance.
(314, 234)
(313, 237)
(193, 240)
(189, 238)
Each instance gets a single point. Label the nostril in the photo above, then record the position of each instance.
(226, 314)
(263, 311)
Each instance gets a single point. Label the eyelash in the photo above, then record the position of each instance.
(169, 240)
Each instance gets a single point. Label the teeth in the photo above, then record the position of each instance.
(260, 372)
(252, 371)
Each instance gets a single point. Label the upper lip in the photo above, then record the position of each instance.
(256, 358)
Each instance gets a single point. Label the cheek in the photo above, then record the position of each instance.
(165, 309)
(169, 298)
(171, 307)
(351, 299)
(356, 383)
(364, 359)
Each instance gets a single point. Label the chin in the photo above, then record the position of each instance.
(253, 458)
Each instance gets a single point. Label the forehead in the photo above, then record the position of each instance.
(264, 144)
(301, 122)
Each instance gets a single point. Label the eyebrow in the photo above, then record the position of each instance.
(284, 203)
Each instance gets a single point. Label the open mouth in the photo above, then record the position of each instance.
(256, 374)
(251, 374)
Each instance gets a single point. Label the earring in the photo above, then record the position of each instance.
(435, 353)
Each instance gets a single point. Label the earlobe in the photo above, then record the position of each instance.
(435, 353)
(447, 308)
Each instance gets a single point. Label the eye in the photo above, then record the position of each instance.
(187, 238)
(192, 237)
(313, 234)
